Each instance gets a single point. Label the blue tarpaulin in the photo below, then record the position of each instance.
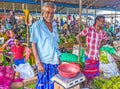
(21, 1)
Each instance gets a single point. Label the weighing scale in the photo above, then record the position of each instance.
(68, 83)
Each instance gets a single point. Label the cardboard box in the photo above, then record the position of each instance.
(58, 86)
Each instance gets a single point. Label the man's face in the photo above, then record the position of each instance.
(101, 22)
(11, 12)
(48, 13)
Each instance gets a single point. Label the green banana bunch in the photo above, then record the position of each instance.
(103, 57)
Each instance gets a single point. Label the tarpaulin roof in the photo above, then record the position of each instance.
(75, 3)
(113, 4)
(21, 1)
(34, 5)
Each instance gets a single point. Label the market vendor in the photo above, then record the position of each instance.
(2, 29)
(10, 42)
(18, 50)
(95, 38)
(117, 32)
(44, 38)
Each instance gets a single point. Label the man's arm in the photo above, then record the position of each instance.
(78, 39)
(4, 46)
(37, 59)
(80, 43)
(103, 43)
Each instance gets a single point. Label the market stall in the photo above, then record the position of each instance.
(71, 52)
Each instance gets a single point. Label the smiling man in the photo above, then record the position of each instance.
(44, 38)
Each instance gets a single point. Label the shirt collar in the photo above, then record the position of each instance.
(93, 28)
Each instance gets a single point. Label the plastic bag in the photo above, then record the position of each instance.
(75, 49)
(108, 48)
(1, 40)
(68, 57)
(82, 56)
(109, 69)
(25, 70)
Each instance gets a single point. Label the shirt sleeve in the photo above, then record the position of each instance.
(56, 31)
(8, 42)
(104, 36)
(33, 35)
(84, 32)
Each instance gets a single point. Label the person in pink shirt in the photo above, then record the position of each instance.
(18, 51)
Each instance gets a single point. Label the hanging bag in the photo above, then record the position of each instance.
(25, 70)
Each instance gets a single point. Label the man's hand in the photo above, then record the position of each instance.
(40, 68)
(86, 48)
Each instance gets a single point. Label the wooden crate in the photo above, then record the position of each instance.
(67, 45)
(58, 86)
(25, 83)
(16, 85)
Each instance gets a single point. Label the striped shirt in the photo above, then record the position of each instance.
(10, 42)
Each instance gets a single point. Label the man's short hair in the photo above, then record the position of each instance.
(99, 17)
(50, 4)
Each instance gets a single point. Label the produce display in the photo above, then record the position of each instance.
(103, 57)
(5, 36)
(112, 83)
(67, 39)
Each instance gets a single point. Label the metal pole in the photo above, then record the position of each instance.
(4, 13)
(80, 13)
(36, 13)
(60, 20)
(27, 29)
(115, 17)
(87, 16)
(41, 6)
(23, 6)
(92, 3)
(67, 17)
(95, 12)
(80, 18)
(26, 6)
(88, 7)
(13, 6)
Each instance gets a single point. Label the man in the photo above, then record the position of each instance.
(95, 38)
(12, 19)
(117, 33)
(44, 38)
(2, 29)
